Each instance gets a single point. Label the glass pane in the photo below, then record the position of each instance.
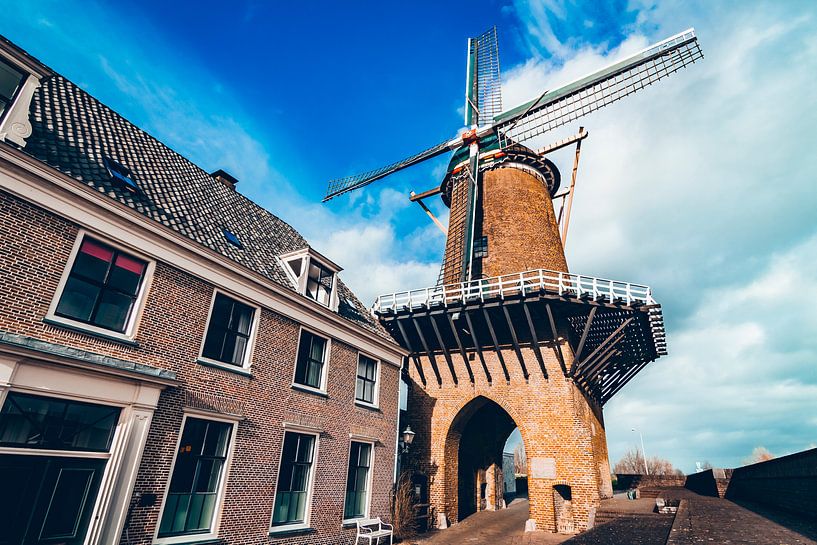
(41, 422)
(218, 435)
(113, 310)
(317, 348)
(78, 300)
(242, 318)
(93, 261)
(169, 514)
(295, 265)
(365, 452)
(239, 349)
(67, 503)
(207, 511)
(228, 350)
(313, 375)
(9, 80)
(222, 308)
(213, 343)
(359, 389)
(123, 279)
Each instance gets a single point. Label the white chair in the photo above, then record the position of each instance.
(373, 529)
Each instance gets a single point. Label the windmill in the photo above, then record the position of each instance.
(493, 137)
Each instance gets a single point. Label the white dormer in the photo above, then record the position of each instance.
(313, 275)
(20, 76)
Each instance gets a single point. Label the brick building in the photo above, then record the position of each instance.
(176, 363)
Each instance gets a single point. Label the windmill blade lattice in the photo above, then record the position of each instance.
(583, 96)
(489, 85)
(342, 185)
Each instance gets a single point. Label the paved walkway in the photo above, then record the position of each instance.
(700, 520)
(711, 520)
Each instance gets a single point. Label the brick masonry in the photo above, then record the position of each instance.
(35, 246)
(557, 422)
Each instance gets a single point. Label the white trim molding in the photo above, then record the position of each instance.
(305, 525)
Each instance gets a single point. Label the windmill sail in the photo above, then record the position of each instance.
(578, 98)
(342, 185)
(483, 96)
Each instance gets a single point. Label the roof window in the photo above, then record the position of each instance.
(233, 239)
(121, 174)
(10, 81)
(313, 275)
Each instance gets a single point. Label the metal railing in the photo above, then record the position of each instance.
(561, 283)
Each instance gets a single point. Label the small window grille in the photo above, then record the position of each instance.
(481, 247)
(121, 174)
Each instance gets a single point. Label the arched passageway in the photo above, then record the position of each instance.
(474, 453)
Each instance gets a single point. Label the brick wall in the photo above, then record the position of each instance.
(788, 483)
(711, 482)
(554, 418)
(34, 249)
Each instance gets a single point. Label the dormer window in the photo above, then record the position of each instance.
(20, 76)
(10, 81)
(313, 275)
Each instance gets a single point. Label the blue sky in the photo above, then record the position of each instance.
(702, 187)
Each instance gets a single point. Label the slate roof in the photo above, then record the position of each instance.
(73, 131)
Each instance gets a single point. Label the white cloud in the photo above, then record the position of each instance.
(702, 187)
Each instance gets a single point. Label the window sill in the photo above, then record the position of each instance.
(309, 390)
(367, 406)
(192, 539)
(224, 366)
(351, 523)
(290, 531)
(79, 327)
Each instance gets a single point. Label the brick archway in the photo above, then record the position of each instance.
(474, 444)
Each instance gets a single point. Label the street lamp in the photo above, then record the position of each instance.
(643, 452)
(406, 439)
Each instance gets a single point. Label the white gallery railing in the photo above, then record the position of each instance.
(561, 283)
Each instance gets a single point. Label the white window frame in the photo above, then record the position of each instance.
(369, 477)
(376, 403)
(310, 487)
(246, 365)
(217, 509)
(327, 356)
(299, 282)
(131, 327)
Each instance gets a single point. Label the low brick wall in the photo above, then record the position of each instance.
(788, 483)
(711, 482)
(625, 481)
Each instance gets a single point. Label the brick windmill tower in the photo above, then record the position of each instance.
(509, 337)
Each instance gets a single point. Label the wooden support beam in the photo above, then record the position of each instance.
(430, 354)
(515, 342)
(591, 375)
(424, 195)
(606, 341)
(578, 137)
(460, 347)
(556, 338)
(430, 214)
(446, 355)
(583, 338)
(571, 191)
(606, 395)
(496, 344)
(588, 366)
(417, 363)
(478, 348)
(535, 338)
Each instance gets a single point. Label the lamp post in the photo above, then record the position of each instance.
(643, 452)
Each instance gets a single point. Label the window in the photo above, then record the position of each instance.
(481, 247)
(197, 479)
(357, 481)
(312, 275)
(228, 332)
(319, 283)
(365, 388)
(121, 174)
(311, 359)
(10, 80)
(294, 479)
(31, 421)
(232, 238)
(102, 287)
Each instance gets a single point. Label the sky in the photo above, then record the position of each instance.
(701, 186)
